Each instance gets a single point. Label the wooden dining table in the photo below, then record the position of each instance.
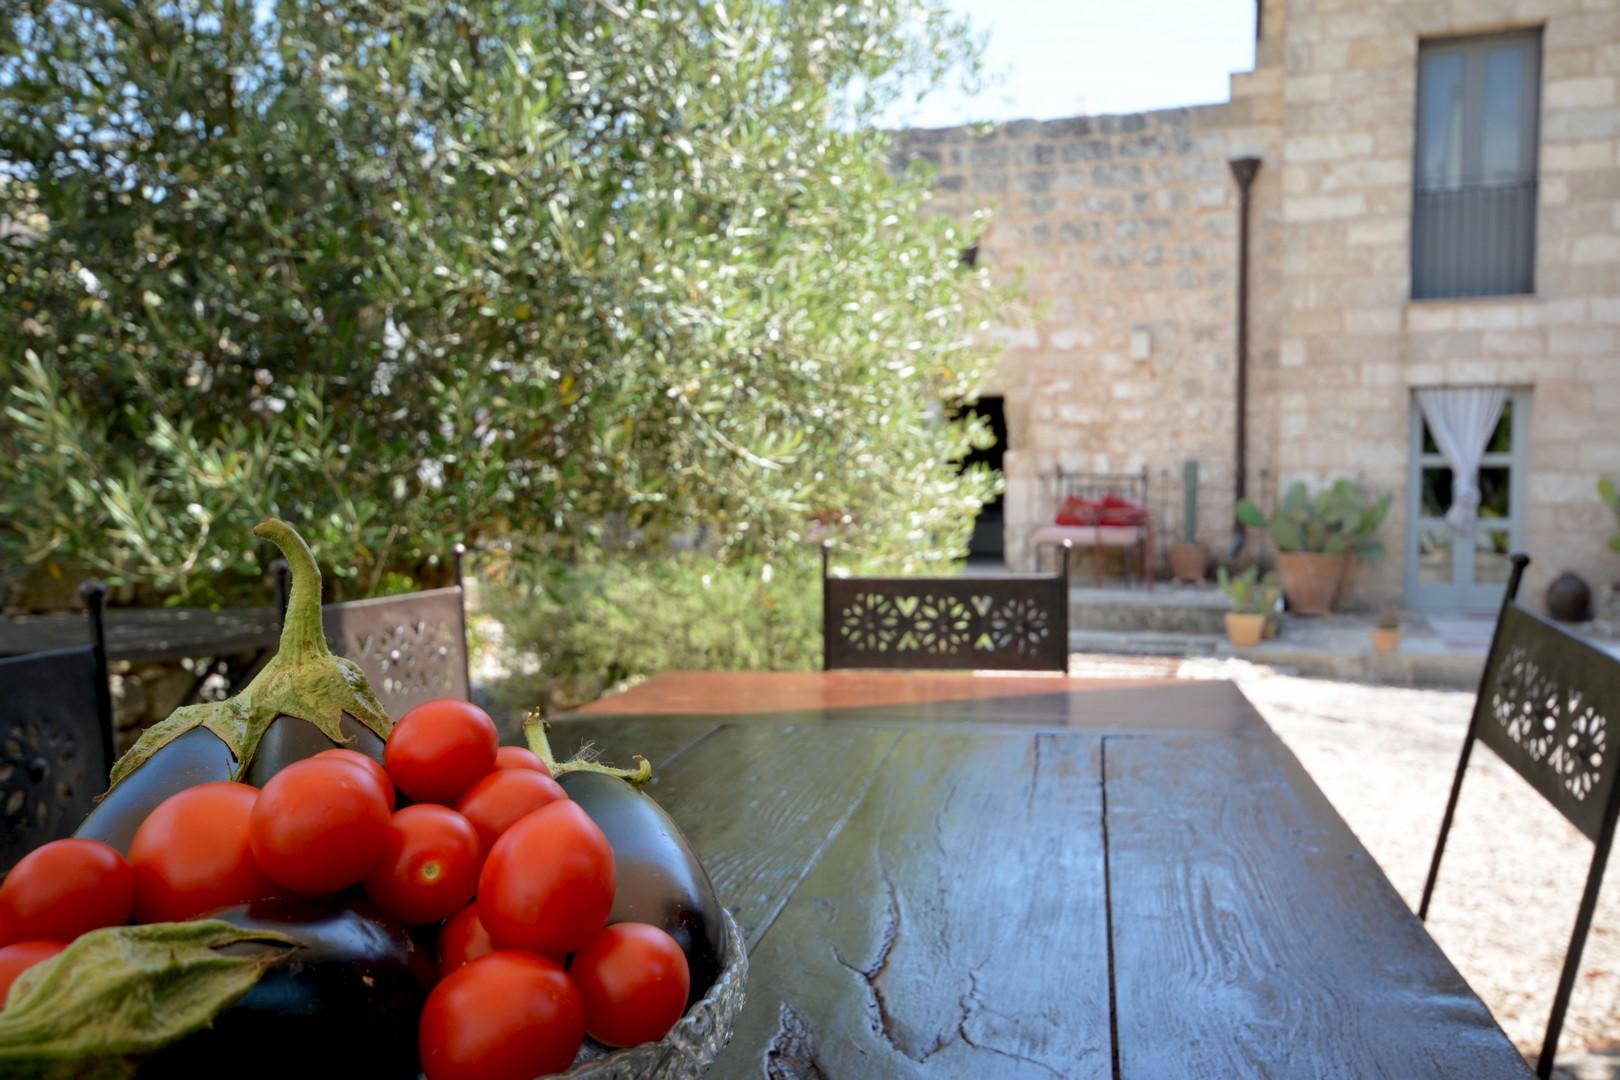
(964, 875)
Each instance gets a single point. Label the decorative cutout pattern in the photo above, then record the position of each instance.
(928, 623)
(41, 776)
(1526, 703)
(1578, 758)
(410, 647)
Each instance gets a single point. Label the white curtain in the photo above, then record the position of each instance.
(1461, 420)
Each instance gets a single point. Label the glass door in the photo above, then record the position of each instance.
(1447, 572)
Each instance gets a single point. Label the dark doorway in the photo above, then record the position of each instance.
(988, 528)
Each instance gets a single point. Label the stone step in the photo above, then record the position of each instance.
(1166, 609)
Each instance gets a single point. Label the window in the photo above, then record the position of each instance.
(1474, 181)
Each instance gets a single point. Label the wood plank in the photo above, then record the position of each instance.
(760, 804)
(1254, 935)
(1183, 705)
(617, 739)
(956, 927)
(734, 692)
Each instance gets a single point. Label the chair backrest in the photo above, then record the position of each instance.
(412, 647)
(56, 745)
(1549, 706)
(1017, 623)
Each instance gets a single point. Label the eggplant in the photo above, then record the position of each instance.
(343, 1004)
(659, 878)
(303, 701)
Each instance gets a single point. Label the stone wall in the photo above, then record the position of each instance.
(1354, 346)
(1124, 229)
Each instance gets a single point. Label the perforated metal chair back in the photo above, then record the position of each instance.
(1015, 623)
(56, 745)
(1549, 706)
(412, 648)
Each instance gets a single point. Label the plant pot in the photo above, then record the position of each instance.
(1272, 625)
(1310, 579)
(1244, 630)
(1386, 638)
(1187, 562)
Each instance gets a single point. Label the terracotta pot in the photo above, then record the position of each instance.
(1187, 562)
(1244, 630)
(1310, 579)
(1386, 638)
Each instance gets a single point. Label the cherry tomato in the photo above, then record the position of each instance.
(62, 889)
(19, 957)
(191, 854)
(462, 940)
(429, 864)
(505, 1016)
(495, 803)
(634, 980)
(547, 884)
(518, 757)
(438, 749)
(355, 757)
(318, 826)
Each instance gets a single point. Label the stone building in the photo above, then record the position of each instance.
(1437, 205)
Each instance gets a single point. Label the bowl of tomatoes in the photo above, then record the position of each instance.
(455, 909)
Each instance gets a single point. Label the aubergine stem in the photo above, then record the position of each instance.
(535, 732)
(301, 631)
(303, 680)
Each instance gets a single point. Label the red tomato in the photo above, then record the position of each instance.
(19, 957)
(505, 1016)
(355, 757)
(191, 854)
(62, 889)
(429, 864)
(518, 757)
(634, 980)
(462, 940)
(438, 749)
(318, 826)
(547, 884)
(495, 803)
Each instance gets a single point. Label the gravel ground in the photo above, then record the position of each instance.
(1514, 868)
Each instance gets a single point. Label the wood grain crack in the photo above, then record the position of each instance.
(883, 1022)
(791, 1054)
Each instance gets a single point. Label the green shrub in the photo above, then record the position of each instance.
(621, 620)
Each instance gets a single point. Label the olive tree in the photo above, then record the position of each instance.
(554, 277)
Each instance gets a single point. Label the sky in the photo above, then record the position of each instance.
(1056, 58)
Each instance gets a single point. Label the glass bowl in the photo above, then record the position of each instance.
(693, 1043)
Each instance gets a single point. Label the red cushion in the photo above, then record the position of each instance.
(1118, 511)
(1078, 511)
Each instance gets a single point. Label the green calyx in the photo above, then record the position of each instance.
(304, 679)
(123, 991)
(535, 732)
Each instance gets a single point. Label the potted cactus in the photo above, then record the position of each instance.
(1253, 601)
(1316, 536)
(1386, 636)
(1187, 559)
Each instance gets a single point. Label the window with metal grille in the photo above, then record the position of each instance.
(1474, 181)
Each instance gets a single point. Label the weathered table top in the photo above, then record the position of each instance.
(144, 635)
(1036, 877)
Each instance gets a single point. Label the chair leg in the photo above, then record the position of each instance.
(1577, 942)
(1096, 564)
(1445, 821)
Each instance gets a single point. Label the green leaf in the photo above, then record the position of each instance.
(1250, 514)
(1287, 535)
(123, 991)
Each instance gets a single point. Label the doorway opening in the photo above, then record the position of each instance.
(989, 528)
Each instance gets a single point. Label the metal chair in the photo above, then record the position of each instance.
(1018, 623)
(56, 737)
(412, 648)
(1548, 705)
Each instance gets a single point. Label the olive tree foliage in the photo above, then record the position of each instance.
(549, 276)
